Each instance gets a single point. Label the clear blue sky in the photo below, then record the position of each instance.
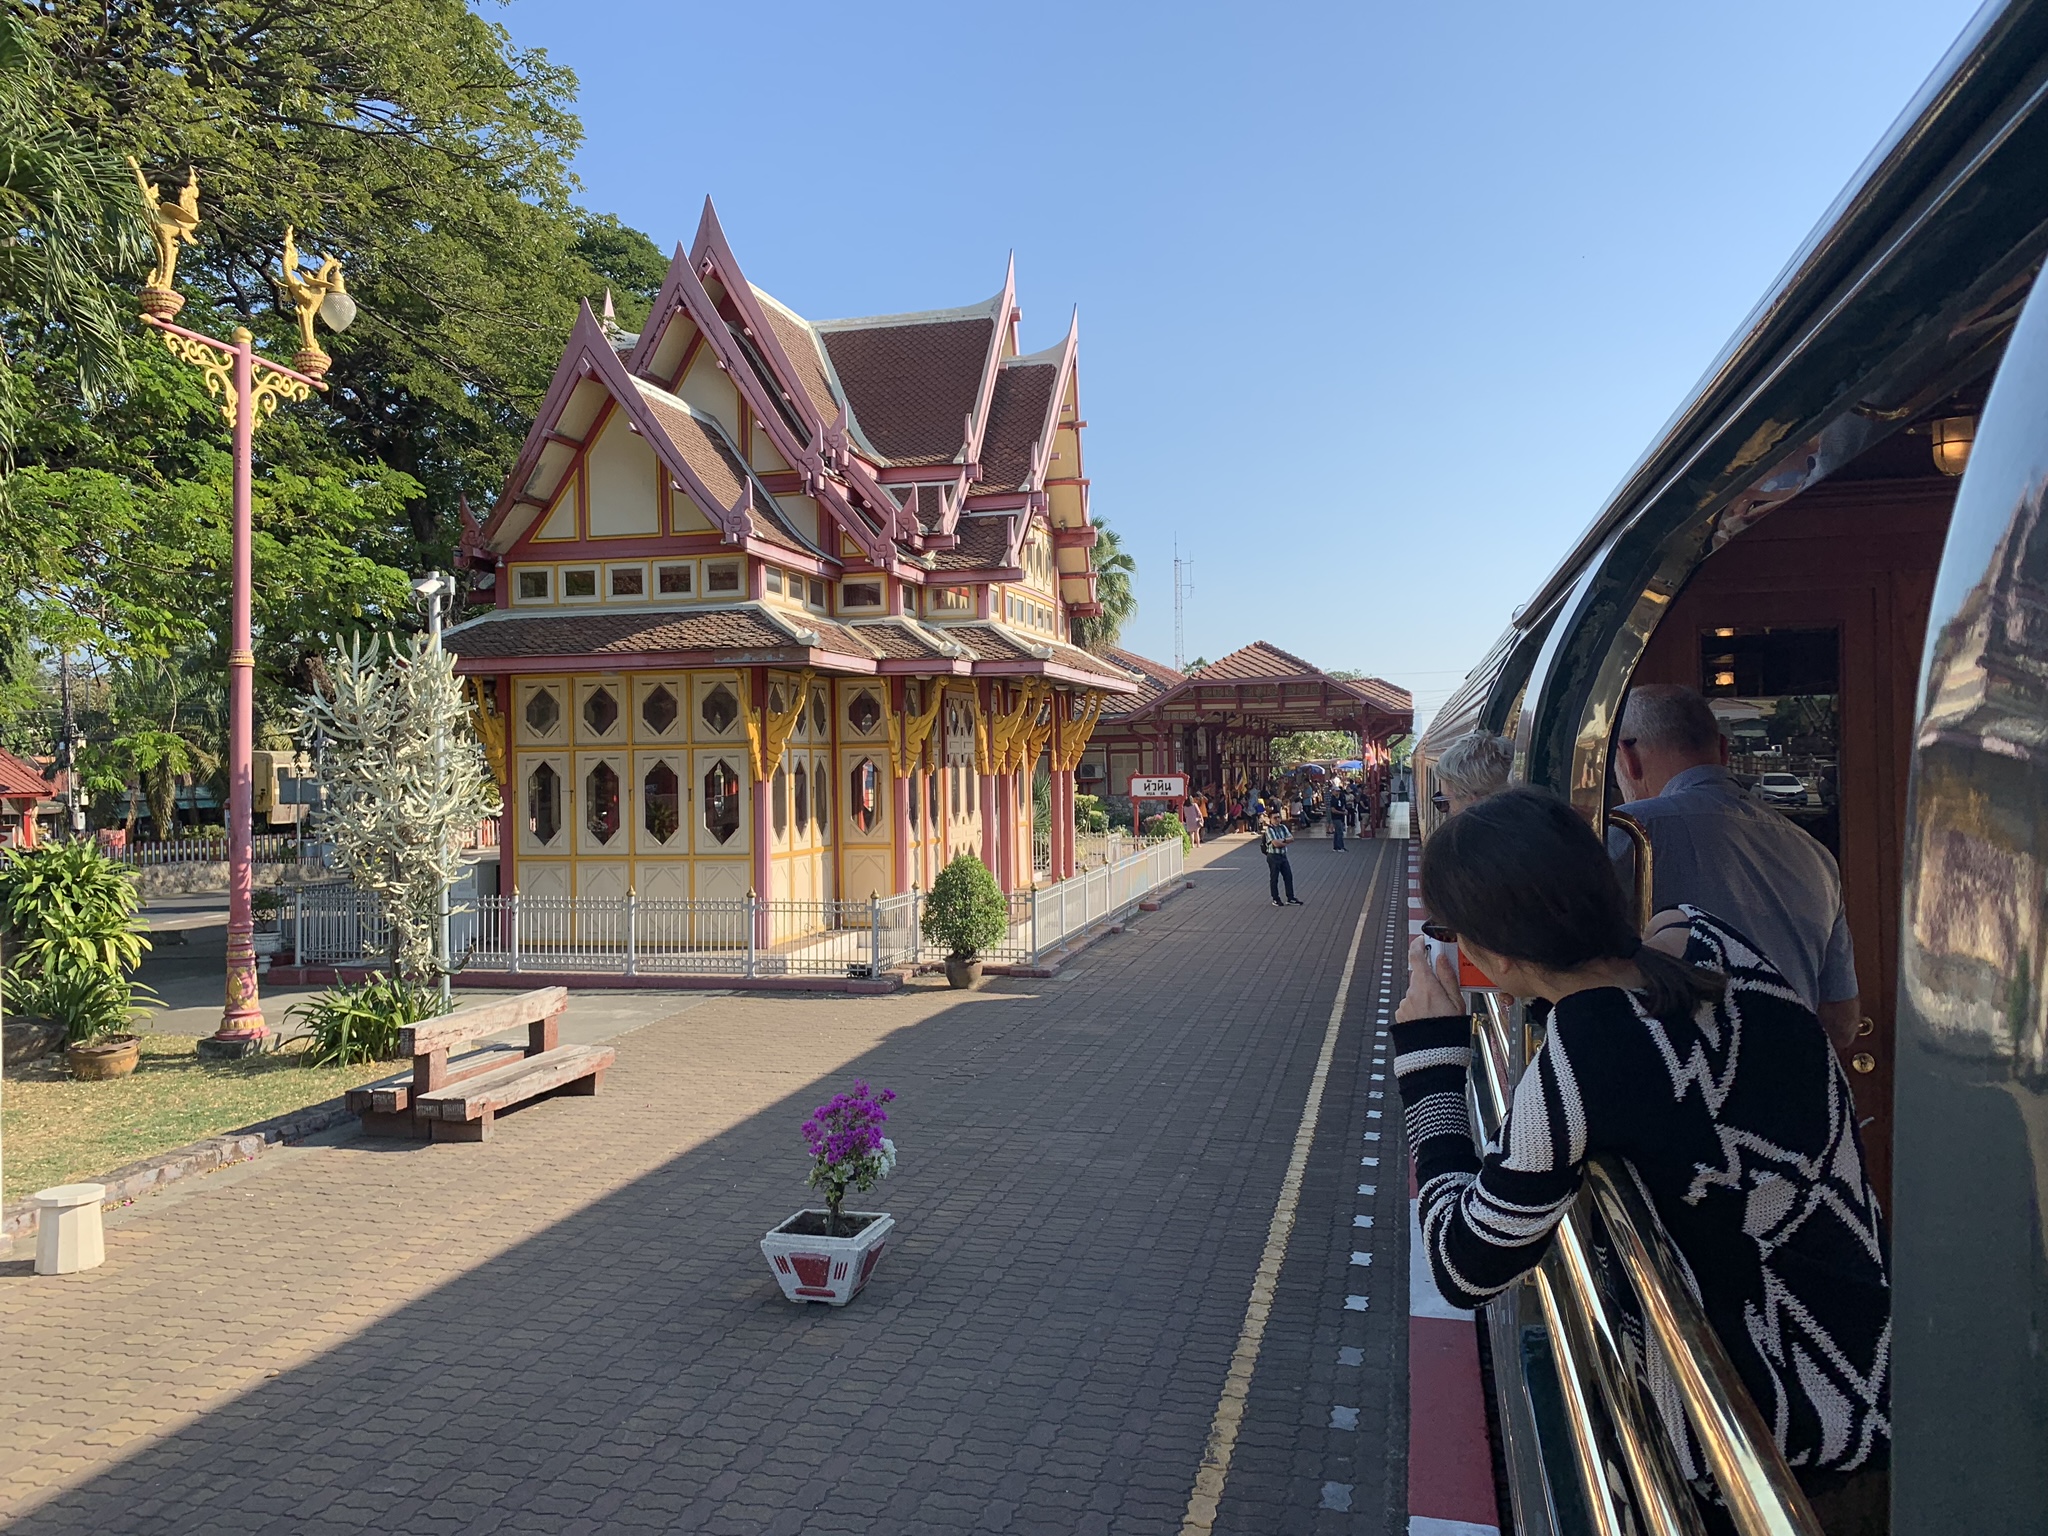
(1378, 303)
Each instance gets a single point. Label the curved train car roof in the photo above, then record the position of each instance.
(1907, 288)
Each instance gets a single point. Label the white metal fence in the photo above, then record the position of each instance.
(337, 924)
(268, 848)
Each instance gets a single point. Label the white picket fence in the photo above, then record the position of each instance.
(638, 936)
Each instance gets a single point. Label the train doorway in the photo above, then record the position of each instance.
(1805, 631)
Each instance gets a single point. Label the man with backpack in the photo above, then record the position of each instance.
(1273, 840)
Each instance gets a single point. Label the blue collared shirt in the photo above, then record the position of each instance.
(1754, 869)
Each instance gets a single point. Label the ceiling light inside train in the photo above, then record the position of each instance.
(1953, 436)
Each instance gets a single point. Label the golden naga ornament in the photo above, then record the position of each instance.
(321, 293)
(170, 225)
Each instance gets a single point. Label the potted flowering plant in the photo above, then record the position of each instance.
(828, 1255)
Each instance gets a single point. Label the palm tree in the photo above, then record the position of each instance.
(1115, 570)
(75, 223)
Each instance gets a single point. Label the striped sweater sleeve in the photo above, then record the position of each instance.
(1486, 1220)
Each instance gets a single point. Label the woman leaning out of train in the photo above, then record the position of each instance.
(1687, 1056)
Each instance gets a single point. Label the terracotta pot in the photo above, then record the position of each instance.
(108, 1056)
(963, 974)
(810, 1267)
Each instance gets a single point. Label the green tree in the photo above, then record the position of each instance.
(1312, 746)
(75, 231)
(1115, 573)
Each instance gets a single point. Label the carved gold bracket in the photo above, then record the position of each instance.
(267, 385)
(489, 726)
(908, 733)
(768, 734)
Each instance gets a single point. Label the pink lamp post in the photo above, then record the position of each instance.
(249, 389)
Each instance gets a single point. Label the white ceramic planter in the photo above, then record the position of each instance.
(827, 1269)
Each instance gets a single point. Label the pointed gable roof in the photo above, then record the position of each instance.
(914, 382)
(1027, 392)
(691, 447)
(1259, 662)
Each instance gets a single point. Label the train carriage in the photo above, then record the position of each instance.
(1840, 540)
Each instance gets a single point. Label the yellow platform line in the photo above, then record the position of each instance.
(1237, 1385)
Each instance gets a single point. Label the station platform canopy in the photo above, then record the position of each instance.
(1259, 688)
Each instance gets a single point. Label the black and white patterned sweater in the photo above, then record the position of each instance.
(1741, 1131)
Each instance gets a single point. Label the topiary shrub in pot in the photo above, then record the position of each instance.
(74, 943)
(967, 913)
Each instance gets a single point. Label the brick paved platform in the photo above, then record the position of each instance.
(570, 1328)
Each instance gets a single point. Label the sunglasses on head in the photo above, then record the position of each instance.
(1437, 931)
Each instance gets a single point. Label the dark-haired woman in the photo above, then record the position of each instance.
(1701, 1069)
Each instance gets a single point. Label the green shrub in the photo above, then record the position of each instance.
(362, 1022)
(1159, 828)
(966, 910)
(73, 937)
(1090, 814)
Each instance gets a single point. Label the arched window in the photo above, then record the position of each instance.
(867, 795)
(602, 794)
(543, 801)
(779, 800)
(721, 801)
(822, 787)
(662, 793)
(802, 781)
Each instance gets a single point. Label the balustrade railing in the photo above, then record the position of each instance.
(338, 925)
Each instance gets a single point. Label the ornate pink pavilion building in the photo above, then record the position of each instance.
(784, 606)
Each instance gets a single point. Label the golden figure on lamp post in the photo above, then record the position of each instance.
(170, 225)
(249, 389)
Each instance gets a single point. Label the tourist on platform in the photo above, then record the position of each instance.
(1474, 766)
(1191, 818)
(1337, 822)
(1274, 837)
(1688, 1057)
(1714, 847)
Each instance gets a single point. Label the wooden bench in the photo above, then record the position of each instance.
(458, 1099)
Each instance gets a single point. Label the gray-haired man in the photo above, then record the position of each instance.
(1719, 850)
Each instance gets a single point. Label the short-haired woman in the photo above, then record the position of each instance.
(1690, 1057)
(1473, 766)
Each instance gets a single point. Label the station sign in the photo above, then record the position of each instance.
(1159, 786)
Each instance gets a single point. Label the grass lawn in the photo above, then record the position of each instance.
(58, 1131)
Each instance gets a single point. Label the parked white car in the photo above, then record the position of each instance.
(1781, 789)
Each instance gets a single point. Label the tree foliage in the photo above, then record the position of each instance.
(1115, 574)
(407, 782)
(1313, 746)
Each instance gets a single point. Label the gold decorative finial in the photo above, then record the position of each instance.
(170, 225)
(323, 294)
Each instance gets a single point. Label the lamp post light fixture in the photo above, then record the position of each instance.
(249, 389)
(433, 591)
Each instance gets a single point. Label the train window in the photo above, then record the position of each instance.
(1776, 693)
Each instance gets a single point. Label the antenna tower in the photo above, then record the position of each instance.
(1183, 584)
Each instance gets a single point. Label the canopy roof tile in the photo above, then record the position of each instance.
(21, 780)
(1155, 679)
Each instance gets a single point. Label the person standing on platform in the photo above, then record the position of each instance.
(1337, 821)
(1274, 837)
(1191, 818)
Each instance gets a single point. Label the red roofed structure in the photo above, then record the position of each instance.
(784, 606)
(1217, 724)
(22, 789)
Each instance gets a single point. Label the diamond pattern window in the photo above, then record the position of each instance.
(601, 711)
(720, 709)
(659, 708)
(543, 712)
(801, 785)
(544, 803)
(822, 781)
(864, 713)
(721, 801)
(867, 794)
(662, 798)
(601, 793)
(818, 714)
(779, 800)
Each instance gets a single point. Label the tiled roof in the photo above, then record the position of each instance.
(600, 632)
(18, 778)
(986, 642)
(802, 348)
(984, 545)
(1016, 417)
(1381, 694)
(1155, 678)
(898, 640)
(912, 386)
(1078, 660)
(1256, 663)
(704, 448)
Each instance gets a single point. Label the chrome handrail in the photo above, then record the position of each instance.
(1762, 1496)
(1646, 865)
